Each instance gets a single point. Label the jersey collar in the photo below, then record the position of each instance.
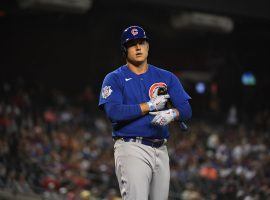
(132, 74)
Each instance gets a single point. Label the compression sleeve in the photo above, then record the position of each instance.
(120, 112)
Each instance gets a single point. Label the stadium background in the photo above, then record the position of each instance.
(55, 144)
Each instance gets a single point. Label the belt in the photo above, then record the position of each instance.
(146, 141)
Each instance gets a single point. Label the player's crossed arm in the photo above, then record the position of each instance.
(162, 118)
(182, 113)
(155, 104)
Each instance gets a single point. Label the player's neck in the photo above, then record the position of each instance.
(138, 69)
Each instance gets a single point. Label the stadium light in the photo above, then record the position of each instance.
(71, 6)
(202, 21)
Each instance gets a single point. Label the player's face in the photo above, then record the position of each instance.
(137, 51)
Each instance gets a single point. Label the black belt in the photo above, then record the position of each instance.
(146, 141)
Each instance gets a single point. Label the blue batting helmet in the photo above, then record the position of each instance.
(132, 33)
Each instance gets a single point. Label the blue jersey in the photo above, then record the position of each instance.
(125, 88)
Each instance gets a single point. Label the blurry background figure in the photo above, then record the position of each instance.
(85, 195)
(190, 193)
(232, 119)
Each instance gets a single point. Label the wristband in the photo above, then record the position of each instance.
(174, 113)
(151, 106)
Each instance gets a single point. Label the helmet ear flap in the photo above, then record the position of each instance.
(124, 50)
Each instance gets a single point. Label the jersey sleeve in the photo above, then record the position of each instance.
(110, 91)
(179, 98)
(176, 90)
(111, 101)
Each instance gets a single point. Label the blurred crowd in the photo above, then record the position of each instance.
(59, 146)
(222, 161)
(55, 146)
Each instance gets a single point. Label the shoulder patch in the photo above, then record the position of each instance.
(106, 92)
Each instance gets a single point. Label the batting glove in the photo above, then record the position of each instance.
(163, 118)
(158, 103)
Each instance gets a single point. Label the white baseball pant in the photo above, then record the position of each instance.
(142, 171)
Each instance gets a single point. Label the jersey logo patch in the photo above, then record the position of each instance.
(128, 79)
(157, 89)
(106, 92)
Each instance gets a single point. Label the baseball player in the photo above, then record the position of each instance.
(134, 98)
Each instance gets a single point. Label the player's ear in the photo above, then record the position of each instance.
(147, 45)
